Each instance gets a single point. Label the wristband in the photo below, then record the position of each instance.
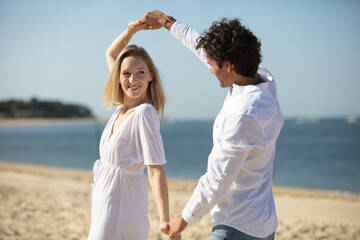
(165, 21)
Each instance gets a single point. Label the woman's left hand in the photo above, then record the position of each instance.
(135, 26)
(164, 227)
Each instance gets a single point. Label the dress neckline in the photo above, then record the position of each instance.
(118, 110)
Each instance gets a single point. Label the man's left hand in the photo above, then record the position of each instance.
(177, 225)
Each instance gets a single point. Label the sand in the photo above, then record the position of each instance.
(49, 203)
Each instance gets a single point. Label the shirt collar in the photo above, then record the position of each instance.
(237, 89)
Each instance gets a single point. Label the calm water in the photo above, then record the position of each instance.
(323, 154)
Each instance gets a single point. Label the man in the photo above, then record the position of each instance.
(237, 187)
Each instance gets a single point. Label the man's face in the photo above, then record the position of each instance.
(221, 73)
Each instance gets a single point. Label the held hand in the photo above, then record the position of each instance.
(135, 26)
(164, 227)
(176, 237)
(177, 225)
(154, 19)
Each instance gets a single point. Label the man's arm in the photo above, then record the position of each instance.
(240, 135)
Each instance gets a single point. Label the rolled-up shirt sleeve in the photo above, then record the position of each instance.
(238, 137)
(189, 37)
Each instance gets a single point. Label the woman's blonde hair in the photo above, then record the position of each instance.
(114, 94)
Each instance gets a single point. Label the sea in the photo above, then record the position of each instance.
(311, 153)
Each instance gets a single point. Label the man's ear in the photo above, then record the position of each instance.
(229, 66)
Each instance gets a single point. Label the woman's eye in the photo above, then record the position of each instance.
(141, 72)
(126, 74)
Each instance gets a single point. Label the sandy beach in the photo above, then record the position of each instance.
(52, 203)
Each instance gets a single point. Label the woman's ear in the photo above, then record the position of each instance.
(151, 76)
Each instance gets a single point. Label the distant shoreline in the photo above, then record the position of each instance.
(48, 121)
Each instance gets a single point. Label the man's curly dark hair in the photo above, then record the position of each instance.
(230, 40)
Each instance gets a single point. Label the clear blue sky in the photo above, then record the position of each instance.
(56, 50)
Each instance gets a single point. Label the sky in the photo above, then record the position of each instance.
(55, 50)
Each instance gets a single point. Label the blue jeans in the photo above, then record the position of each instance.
(223, 232)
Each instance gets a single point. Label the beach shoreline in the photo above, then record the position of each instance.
(41, 202)
(9, 122)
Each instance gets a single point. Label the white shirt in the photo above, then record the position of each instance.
(237, 187)
(119, 208)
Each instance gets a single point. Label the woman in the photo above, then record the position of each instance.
(131, 140)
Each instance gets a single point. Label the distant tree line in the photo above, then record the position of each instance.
(41, 109)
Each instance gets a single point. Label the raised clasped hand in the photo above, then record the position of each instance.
(153, 19)
(135, 26)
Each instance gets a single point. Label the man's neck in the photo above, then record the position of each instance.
(244, 81)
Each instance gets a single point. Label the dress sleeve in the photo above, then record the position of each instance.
(151, 144)
(240, 136)
(189, 37)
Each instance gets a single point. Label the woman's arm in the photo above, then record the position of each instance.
(159, 188)
(121, 41)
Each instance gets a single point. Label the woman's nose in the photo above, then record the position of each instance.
(132, 78)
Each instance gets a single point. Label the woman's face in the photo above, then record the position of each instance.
(135, 77)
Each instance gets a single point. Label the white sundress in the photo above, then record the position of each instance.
(119, 208)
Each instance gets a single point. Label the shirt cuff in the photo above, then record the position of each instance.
(173, 27)
(188, 217)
